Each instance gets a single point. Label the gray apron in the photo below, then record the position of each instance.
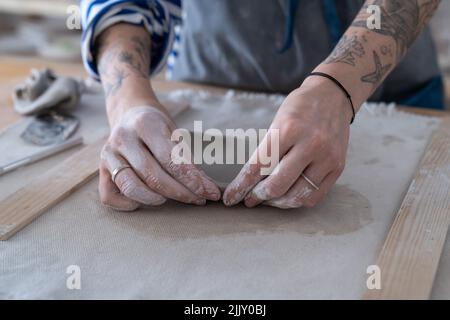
(236, 43)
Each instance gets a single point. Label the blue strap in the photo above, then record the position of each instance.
(334, 22)
(289, 25)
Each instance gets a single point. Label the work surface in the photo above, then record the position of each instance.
(179, 251)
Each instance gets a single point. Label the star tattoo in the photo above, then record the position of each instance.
(380, 71)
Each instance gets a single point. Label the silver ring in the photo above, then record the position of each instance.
(309, 181)
(117, 170)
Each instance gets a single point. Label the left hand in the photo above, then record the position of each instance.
(313, 124)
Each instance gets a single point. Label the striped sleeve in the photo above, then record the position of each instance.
(158, 16)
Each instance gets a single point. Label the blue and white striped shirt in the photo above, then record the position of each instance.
(159, 17)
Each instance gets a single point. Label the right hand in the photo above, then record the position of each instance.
(141, 139)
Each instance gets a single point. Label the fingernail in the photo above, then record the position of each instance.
(234, 196)
(210, 190)
(214, 195)
(231, 200)
(251, 201)
(227, 202)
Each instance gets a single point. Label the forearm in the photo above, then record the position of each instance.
(123, 61)
(364, 57)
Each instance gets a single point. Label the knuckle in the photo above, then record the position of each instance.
(334, 158)
(290, 126)
(127, 188)
(106, 151)
(151, 179)
(118, 136)
(142, 121)
(318, 140)
(119, 131)
(170, 164)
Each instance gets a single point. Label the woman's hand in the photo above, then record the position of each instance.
(313, 124)
(138, 150)
(141, 139)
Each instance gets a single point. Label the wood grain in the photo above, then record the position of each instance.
(410, 256)
(29, 202)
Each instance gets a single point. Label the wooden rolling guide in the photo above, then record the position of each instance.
(410, 256)
(29, 202)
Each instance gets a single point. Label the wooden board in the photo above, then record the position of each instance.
(29, 202)
(410, 256)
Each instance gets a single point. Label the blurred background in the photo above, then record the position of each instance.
(49, 29)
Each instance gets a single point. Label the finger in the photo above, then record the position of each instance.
(185, 172)
(252, 171)
(110, 195)
(129, 183)
(325, 187)
(303, 191)
(151, 173)
(278, 183)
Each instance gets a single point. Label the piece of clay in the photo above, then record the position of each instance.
(223, 171)
(50, 128)
(43, 90)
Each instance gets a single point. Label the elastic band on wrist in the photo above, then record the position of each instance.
(349, 97)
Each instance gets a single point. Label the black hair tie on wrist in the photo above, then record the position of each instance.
(349, 97)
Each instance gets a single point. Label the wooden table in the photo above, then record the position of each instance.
(425, 209)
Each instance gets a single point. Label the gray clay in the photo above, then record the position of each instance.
(43, 90)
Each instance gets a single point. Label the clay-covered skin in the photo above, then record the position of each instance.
(142, 139)
(141, 131)
(313, 128)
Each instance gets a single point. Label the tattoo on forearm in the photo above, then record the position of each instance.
(401, 20)
(142, 48)
(118, 63)
(386, 50)
(114, 83)
(347, 50)
(135, 66)
(376, 76)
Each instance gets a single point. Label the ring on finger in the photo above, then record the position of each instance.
(117, 170)
(310, 181)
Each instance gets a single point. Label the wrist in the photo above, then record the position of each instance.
(334, 93)
(350, 80)
(131, 96)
